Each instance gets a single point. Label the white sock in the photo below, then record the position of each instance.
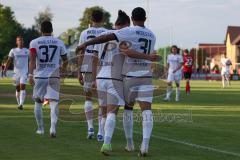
(103, 121)
(22, 96)
(128, 126)
(223, 83)
(38, 115)
(109, 127)
(54, 115)
(17, 96)
(88, 107)
(177, 93)
(147, 125)
(169, 91)
(100, 130)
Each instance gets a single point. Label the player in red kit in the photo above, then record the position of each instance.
(187, 68)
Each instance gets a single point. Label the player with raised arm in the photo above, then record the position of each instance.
(85, 72)
(187, 69)
(225, 72)
(110, 80)
(137, 74)
(175, 63)
(20, 57)
(44, 74)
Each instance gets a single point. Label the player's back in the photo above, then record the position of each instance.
(86, 35)
(49, 51)
(142, 40)
(110, 59)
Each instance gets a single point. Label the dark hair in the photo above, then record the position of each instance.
(138, 14)
(97, 16)
(122, 18)
(19, 36)
(46, 27)
(175, 46)
(186, 51)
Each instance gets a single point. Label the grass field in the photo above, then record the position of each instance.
(203, 126)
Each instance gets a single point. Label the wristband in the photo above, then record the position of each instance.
(30, 75)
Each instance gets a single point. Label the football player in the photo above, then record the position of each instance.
(45, 54)
(187, 68)
(20, 57)
(85, 72)
(175, 63)
(225, 72)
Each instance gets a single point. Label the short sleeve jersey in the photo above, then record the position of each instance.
(174, 61)
(20, 58)
(48, 50)
(140, 39)
(86, 35)
(110, 59)
(187, 63)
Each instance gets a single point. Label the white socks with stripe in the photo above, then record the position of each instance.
(88, 107)
(169, 92)
(128, 126)
(22, 96)
(38, 115)
(147, 125)
(109, 127)
(54, 115)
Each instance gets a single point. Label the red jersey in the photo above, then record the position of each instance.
(187, 63)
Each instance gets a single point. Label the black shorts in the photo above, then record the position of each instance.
(187, 75)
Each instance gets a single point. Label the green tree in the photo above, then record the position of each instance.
(9, 29)
(45, 15)
(163, 52)
(69, 36)
(86, 19)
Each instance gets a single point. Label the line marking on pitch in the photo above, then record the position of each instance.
(190, 144)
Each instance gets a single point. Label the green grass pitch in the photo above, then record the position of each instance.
(202, 126)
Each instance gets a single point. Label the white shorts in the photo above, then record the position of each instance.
(174, 77)
(110, 92)
(225, 73)
(87, 79)
(138, 89)
(19, 79)
(46, 89)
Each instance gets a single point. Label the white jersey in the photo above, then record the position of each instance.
(139, 39)
(49, 51)
(20, 58)
(225, 67)
(110, 60)
(86, 35)
(174, 62)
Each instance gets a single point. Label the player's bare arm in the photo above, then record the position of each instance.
(80, 54)
(98, 40)
(94, 70)
(9, 61)
(32, 66)
(134, 54)
(178, 68)
(64, 64)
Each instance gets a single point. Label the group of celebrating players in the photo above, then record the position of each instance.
(115, 62)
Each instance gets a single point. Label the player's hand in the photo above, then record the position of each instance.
(174, 71)
(82, 47)
(31, 81)
(155, 58)
(94, 85)
(80, 78)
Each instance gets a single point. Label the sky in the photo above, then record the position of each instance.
(185, 23)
